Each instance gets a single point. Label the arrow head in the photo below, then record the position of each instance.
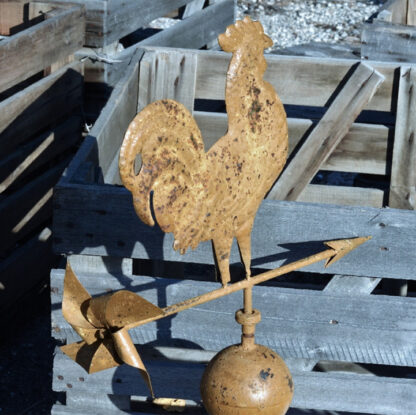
(343, 247)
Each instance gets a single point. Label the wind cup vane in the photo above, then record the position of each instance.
(200, 196)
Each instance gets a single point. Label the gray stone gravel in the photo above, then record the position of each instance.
(294, 22)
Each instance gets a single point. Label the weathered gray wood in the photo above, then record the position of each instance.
(101, 403)
(39, 151)
(197, 30)
(362, 150)
(333, 126)
(397, 10)
(350, 285)
(107, 134)
(168, 75)
(28, 208)
(24, 269)
(342, 195)
(411, 12)
(322, 50)
(193, 7)
(125, 17)
(37, 47)
(295, 323)
(382, 41)
(403, 172)
(104, 223)
(38, 106)
(309, 81)
(97, 264)
(344, 392)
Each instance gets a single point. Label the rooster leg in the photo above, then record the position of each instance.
(222, 248)
(244, 245)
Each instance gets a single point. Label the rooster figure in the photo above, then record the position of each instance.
(214, 195)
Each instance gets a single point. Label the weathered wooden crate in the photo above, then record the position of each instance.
(349, 350)
(40, 126)
(391, 36)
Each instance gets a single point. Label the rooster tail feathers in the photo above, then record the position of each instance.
(169, 141)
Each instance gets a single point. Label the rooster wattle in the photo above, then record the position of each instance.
(214, 195)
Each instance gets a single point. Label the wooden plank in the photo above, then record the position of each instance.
(295, 323)
(193, 7)
(342, 195)
(25, 268)
(197, 30)
(333, 126)
(403, 173)
(344, 392)
(398, 10)
(28, 208)
(388, 42)
(107, 134)
(104, 223)
(39, 151)
(170, 76)
(36, 48)
(362, 150)
(350, 285)
(30, 111)
(124, 17)
(309, 81)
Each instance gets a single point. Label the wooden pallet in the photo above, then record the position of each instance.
(343, 322)
(317, 318)
(391, 36)
(40, 126)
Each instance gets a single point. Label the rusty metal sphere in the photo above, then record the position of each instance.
(243, 380)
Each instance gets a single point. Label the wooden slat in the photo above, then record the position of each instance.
(39, 151)
(330, 391)
(193, 7)
(107, 134)
(362, 150)
(398, 10)
(295, 323)
(333, 126)
(30, 111)
(342, 195)
(28, 208)
(125, 17)
(25, 268)
(403, 174)
(104, 223)
(169, 76)
(411, 12)
(388, 42)
(297, 80)
(36, 48)
(197, 30)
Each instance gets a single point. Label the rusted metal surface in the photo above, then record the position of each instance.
(214, 196)
(101, 322)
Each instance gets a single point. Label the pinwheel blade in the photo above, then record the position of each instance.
(94, 357)
(129, 354)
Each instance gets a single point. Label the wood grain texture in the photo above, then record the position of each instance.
(388, 42)
(295, 323)
(311, 81)
(28, 265)
(100, 220)
(333, 126)
(342, 195)
(105, 137)
(32, 110)
(37, 152)
(362, 150)
(403, 174)
(37, 47)
(344, 392)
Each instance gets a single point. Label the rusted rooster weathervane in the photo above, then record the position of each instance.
(200, 196)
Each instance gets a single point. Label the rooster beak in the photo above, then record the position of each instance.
(268, 42)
